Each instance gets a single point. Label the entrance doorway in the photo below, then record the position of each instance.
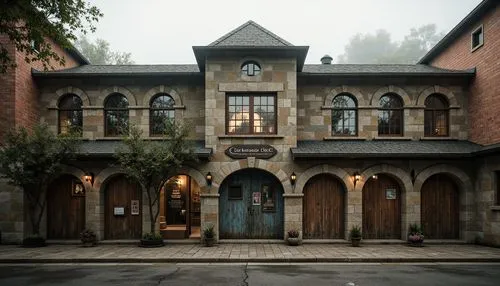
(251, 205)
(180, 208)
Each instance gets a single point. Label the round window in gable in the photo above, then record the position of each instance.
(250, 68)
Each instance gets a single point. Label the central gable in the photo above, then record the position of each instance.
(250, 34)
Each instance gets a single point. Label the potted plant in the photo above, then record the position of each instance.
(88, 238)
(209, 235)
(355, 236)
(34, 240)
(152, 239)
(415, 235)
(293, 237)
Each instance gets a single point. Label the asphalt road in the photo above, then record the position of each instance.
(250, 274)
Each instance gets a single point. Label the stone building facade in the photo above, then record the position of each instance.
(317, 148)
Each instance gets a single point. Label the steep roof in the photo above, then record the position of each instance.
(460, 28)
(250, 34)
(379, 69)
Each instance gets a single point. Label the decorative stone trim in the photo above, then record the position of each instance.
(161, 89)
(294, 195)
(390, 89)
(340, 173)
(250, 136)
(210, 195)
(332, 93)
(117, 89)
(54, 103)
(251, 86)
(452, 100)
(400, 175)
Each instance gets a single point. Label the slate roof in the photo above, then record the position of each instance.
(250, 34)
(122, 70)
(384, 148)
(472, 18)
(379, 69)
(106, 148)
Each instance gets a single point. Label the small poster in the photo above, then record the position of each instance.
(119, 211)
(256, 198)
(134, 209)
(390, 194)
(78, 190)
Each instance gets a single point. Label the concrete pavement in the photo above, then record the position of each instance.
(248, 253)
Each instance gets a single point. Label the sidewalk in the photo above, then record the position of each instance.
(178, 253)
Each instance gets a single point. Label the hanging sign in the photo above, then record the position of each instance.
(134, 207)
(250, 150)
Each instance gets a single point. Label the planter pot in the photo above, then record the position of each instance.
(356, 241)
(34, 242)
(416, 243)
(89, 243)
(151, 243)
(209, 242)
(294, 241)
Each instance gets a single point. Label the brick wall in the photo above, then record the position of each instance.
(18, 93)
(484, 101)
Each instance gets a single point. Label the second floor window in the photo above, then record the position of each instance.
(70, 114)
(344, 116)
(116, 115)
(251, 114)
(162, 109)
(390, 115)
(436, 116)
(250, 68)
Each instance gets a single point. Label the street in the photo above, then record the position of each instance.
(251, 274)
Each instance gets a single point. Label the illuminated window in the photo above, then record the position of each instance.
(251, 114)
(436, 116)
(70, 114)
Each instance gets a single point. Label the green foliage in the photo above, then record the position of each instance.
(27, 21)
(378, 48)
(293, 233)
(414, 228)
(152, 162)
(152, 236)
(30, 160)
(87, 236)
(209, 232)
(355, 232)
(99, 53)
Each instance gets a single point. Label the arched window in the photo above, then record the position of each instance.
(390, 115)
(116, 115)
(70, 114)
(161, 109)
(344, 115)
(436, 117)
(250, 68)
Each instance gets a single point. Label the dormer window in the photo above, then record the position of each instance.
(250, 68)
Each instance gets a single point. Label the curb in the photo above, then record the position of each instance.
(240, 260)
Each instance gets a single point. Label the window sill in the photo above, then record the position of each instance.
(346, 138)
(495, 208)
(393, 138)
(251, 136)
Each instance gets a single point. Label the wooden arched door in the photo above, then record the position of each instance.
(323, 208)
(382, 208)
(121, 222)
(440, 208)
(65, 208)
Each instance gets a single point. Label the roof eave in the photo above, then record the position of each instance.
(462, 26)
(41, 74)
(296, 155)
(467, 74)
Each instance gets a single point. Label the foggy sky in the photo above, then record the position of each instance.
(164, 31)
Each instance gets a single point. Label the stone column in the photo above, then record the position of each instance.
(293, 213)
(210, 213)
(354, 210)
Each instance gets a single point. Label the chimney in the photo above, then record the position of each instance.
(326, 60)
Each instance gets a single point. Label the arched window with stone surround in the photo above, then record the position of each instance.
(344, 115)
(116, 115)
(161, 110)
(70, 114)
(436, 117)
(390, 115)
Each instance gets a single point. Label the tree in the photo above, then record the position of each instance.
(99, 52)
(380, 49)
(28, 22)
(152, 163)
(31, 160)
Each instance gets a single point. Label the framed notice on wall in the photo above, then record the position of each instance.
(119, 211)
(77, 189)
(256, 198)
(390, 194)
(134, 207)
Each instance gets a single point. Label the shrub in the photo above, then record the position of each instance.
(355, 232)
(209, 231)
(293, 233)
(88, 235)
(152, 236)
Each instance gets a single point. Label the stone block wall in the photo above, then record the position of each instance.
(486, 195)
(11, 213)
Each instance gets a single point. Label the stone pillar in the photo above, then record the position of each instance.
(293, 212)
(94, 206)
(11, 213)
(210, 213)
(354, 210)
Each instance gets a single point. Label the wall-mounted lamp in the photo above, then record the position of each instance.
(293, 178)
(208, 177)
(375, 177)
(356, 178)
(89, 177)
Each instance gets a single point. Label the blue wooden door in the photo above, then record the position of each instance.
(251, 206)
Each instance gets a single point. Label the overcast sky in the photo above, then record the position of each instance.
(164, 31)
